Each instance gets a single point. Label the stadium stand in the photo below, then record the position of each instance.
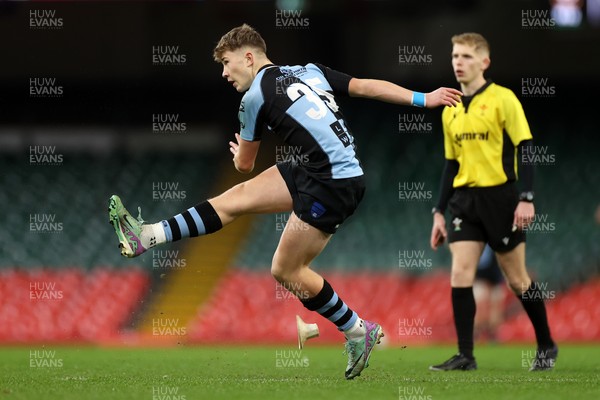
(104, 294)
(74, 193)
(61, 275)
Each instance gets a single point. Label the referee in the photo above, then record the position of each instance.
(482, 137)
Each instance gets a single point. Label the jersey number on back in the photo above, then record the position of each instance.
(322, 100)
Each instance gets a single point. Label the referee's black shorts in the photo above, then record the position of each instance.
(485, 214)
(322, 203)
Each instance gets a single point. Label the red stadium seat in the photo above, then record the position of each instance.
(246, 307)
(44, 305)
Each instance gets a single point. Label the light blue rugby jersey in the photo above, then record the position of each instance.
(298, 103)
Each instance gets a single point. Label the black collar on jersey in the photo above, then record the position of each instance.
(466, 100)
(265, 66)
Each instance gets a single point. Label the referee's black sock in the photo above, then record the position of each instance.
(534, 306)
(463, 305)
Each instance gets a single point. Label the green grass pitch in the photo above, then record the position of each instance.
(283, 372)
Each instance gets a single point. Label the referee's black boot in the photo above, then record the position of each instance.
(458, 362)
(544, 359)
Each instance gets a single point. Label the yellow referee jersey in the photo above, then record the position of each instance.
(482, 133)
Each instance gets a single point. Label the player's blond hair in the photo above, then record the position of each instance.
(239, 37)
(472, 39)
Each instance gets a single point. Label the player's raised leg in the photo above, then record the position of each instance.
(265, 193)
(300, 243)
(465, 256)
(512, 264)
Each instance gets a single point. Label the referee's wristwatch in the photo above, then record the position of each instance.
(526, 196)
(436, 210)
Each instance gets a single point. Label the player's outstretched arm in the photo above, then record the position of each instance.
(244, 154)
(391, 93)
